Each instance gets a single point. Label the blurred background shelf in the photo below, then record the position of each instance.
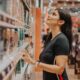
(21, 25)
(9, 63)
(20, 76)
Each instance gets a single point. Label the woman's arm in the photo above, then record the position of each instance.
(57, 68)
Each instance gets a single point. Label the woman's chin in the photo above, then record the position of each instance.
(48, 23)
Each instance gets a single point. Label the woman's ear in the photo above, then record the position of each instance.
(61, 22)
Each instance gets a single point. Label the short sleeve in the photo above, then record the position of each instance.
(61, 46)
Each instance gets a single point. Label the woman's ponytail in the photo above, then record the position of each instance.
(66, 28)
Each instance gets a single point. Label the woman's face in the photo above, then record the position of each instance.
(53, 17)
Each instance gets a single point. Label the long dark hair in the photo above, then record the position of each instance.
(66, 28)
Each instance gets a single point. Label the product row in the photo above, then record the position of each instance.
(10, 39)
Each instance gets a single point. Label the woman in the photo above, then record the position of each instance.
(54, 57)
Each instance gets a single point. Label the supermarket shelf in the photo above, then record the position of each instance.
(20, 75)
(11, 17)
(7, 20)
(9, 63)
(25, 5)
(23, 69)
(6, 25)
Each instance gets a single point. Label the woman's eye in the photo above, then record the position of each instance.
(54, 14)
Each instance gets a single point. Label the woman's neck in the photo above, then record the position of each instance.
(55, 31)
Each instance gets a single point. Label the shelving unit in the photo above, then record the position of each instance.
(20, 76)
(8, 21)
(25, 3)
(10, 59)
(14, 20)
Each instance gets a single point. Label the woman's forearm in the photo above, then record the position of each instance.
(57, 69)
(51, 68)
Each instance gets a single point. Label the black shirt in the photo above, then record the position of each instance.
(57, 46)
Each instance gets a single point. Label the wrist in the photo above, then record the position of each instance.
(33, 62)
(37, 63)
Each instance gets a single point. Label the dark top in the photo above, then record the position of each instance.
(57, 46)
(49, 36)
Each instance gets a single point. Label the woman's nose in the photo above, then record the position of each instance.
(49, 17)
(46, 16)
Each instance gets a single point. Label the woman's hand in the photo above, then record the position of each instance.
(26, 57)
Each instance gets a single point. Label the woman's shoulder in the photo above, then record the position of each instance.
(62, 39)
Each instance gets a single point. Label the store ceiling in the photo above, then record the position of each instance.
(46, 2)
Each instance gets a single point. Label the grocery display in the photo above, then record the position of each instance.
(14, 20)
(22, 27)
